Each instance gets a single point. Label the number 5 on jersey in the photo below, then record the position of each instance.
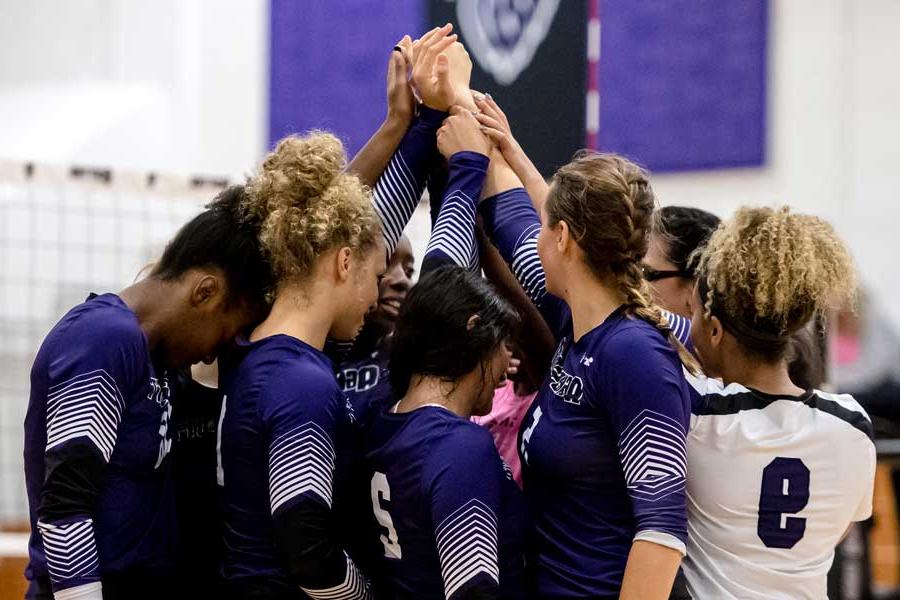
(381, 491)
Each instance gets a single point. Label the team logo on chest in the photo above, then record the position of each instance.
(565, 385)
(360, 379)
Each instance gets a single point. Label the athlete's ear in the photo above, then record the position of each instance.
(343, 263)
(688, 295)
(716, 331)
(563, 236)
(205, 290)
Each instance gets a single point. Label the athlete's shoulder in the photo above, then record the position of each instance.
(845, 409)
(281, 371)
(100, 334)
(460, 437)
(635, 344)
(290, 359)
(102, 321)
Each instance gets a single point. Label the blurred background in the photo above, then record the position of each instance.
(120, 118)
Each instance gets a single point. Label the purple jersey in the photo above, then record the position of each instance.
(603, 457)
(603, 445)
(96, 441)
(283, 424)
(449, 514)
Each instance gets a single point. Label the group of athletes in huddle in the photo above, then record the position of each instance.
(526, 421)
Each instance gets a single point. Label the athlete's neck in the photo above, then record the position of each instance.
(591, 301)
(151, 300)
(302, 312)
(768, 378)
(424, 391)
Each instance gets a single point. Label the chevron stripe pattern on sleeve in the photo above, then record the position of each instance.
(454, 231)
(467, 546)
(652, 450)
(680, 326)
(71, 550)
(301, 461)
(89, 406)
(526, 264)
(354, 587)
(396, 197)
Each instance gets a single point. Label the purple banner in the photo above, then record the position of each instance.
(683, 82)
(328, 64)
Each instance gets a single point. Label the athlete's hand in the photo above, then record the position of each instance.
(461, 132)
(460, 75)
(496, 126)
(431, 73)
(400, 99)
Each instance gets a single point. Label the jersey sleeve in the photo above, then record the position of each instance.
(866, 468)
(398, 190)
(96, 368)
(648, 410)
(453, 235)
(301, 412)
(681, 328)
(513, 226)
(463, 480)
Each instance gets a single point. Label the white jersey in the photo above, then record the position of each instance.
(773, 484)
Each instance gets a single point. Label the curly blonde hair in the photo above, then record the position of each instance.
(772, 270)
(607, 202)
(308, 205)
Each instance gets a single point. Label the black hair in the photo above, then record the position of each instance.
(432, 337)
(222, 236)
(684, 230)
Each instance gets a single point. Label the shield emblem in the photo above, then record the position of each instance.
(504, 35)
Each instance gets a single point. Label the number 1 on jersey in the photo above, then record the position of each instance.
(382, 491)
(784, 490)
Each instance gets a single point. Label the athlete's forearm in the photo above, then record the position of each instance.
(371, 161)
(650, 571)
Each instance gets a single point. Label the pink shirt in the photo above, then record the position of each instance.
(503, 422)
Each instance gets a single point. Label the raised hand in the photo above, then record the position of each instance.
(460, 75)
(461, 132)
(496, 127)
(431, 69)
(401, 102)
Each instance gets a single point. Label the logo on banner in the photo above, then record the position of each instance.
(504, 35)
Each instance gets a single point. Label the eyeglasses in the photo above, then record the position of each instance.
(654, 275)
